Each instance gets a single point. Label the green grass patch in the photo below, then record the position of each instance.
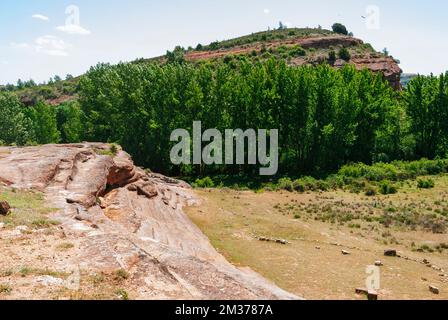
(28, 208)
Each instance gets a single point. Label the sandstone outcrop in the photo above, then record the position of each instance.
(368, 59)
(126, 218)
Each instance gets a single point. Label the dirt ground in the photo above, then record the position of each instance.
(318, 227)
(36, 258)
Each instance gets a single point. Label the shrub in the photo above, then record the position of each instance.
(332, 57)
(425, 183)
(114, 149)
(122, 294)
(297, 51)
(121, 275)
(206, 182)
(335, 181)
(299, 186)
(5, 289)
(310, 183)
(386, 187)
(371, 191)
(285, 184)
(344, 54)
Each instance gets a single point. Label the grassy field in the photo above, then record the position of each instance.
(28, 208)
(319, 225)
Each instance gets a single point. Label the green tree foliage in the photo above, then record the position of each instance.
(339, 28)
(326, 117)
(14, 125)
(69, 122)
(44, 124)
(176, 56)
(426, 100)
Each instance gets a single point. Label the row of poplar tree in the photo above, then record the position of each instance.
(325, 117)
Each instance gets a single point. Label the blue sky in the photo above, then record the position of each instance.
(36, 41)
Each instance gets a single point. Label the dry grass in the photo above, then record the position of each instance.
(28, 209)
(318, 226)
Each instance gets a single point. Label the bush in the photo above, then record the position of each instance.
(386, 187)
(299, 186)
(297, 51)
(344, 54)
(332, 57)
(206, 182)
(114, 149)
(425, 183)
(285, 184)
(339, 28)
(371, 191)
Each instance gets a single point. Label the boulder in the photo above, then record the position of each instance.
(378, 263)
(390, 253)
(434, 290)
(361, 291)
(372, 295)
(147, 189)
(5, 208)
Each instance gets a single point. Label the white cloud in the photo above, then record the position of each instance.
(74, 29)
(21, 45)
(40, 17)
(267, 11)
(52, 46)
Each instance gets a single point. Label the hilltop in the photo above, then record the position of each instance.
(296, 46)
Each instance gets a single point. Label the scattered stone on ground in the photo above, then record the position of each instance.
(5, 208)
(280, 241)
(390, 253)
(434, 289)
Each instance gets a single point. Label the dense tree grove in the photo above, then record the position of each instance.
(325, 117)
(15, 127)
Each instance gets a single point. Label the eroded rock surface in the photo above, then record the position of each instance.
(125, 218)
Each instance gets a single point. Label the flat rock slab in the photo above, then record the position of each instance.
(125, 218)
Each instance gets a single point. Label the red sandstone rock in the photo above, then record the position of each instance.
(124, 218)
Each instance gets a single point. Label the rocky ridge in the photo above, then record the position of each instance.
(363, 59)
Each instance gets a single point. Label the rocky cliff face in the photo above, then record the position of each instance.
(125, 218)
(363, 57)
